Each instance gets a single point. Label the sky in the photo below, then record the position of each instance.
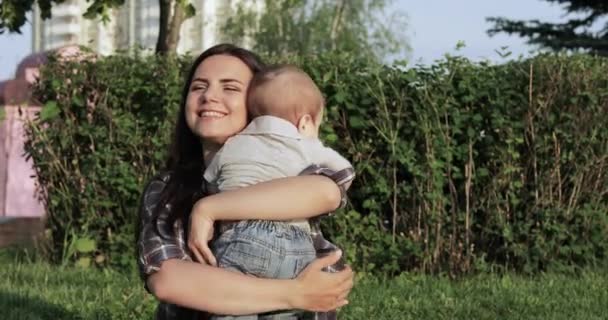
(436, 26)
(434, 29)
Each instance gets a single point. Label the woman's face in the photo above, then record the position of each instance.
(215, 106)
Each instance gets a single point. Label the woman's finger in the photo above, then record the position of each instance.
(341, 303)
(197, 254)
(337, 302)
(339, 280)
(209, 255)
(344, 275)
(345, 286)
(345, 290)
(327, 261)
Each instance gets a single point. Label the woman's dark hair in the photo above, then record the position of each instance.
(185, 164)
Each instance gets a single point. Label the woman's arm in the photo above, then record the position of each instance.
(316, 191)
(203, 287)
(290, 198)
(169, 274)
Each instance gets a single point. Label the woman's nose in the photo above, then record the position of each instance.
(210, 95)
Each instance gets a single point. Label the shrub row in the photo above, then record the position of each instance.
(461, 166)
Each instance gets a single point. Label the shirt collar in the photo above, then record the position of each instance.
(272, 125)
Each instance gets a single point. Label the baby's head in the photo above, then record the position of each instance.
(287, 92)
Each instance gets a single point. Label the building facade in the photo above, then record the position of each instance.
(133, 24)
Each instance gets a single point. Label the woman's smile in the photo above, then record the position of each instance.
(211, 114)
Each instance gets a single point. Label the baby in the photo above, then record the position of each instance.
(281, 141)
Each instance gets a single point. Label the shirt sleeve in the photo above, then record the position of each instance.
(342, 178)
(212, 172)
(155, 243)
(327, 157)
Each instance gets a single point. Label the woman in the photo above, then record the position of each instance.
(212, 110)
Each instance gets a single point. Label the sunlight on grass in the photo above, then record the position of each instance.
(40, 291)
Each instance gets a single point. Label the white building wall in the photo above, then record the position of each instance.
(133, 24)
(146, 23)
(209, 23)
(63, 29)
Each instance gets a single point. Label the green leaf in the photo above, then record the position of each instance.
(190, 10)
(340, 97)
(56, 85)
(356, 122)
(78, 101)
(482, 172)
(49, 111)
(85, 245)
(331, 138)
(83, 262)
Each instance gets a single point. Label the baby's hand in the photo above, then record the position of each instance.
(201, 232)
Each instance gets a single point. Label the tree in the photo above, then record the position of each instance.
(575, 34)
(172, 14)
(313, 26)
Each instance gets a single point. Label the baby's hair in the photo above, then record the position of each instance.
(284, 91)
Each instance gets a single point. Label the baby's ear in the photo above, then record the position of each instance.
(305, 123)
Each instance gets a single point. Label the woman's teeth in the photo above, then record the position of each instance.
(211, 114)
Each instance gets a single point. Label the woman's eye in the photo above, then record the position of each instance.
(232, 89)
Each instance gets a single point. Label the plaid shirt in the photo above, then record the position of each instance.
(156, 245)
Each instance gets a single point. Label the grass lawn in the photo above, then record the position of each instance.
(39, 291)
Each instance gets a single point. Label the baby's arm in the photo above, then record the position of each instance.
(329, 158)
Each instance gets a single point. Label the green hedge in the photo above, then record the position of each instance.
(101, 135)
(461, 166)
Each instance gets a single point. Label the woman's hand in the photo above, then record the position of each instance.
(318, 290)
(201, 232)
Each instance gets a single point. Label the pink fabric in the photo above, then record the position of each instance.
(2, 86)
(18, 195)
(16, 91)
(17, 181)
